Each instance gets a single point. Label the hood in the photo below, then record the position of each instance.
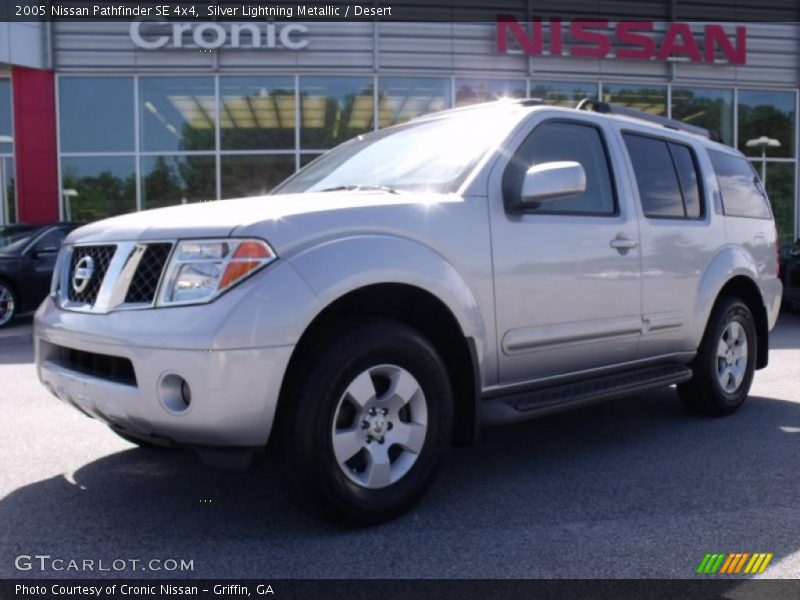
(240, 216)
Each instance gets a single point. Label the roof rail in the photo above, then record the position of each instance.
(532, 101)
(615, 109)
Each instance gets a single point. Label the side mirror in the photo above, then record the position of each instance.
(552, 180)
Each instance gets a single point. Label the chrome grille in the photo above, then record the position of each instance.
(104, 278)
(144, 284)
(100, 257)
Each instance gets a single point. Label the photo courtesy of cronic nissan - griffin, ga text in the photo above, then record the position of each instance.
(473, 267)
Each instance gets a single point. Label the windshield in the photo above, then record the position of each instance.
(435, 155)
(13, 240)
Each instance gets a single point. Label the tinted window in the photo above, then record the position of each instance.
(552, 142)
(739, 187)
(659, 189)
(51, 241)
(687, 175)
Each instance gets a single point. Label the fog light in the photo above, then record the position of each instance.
(174, 393)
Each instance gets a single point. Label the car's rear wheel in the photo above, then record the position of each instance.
(367, 427)
(8, 304)
(725, 362)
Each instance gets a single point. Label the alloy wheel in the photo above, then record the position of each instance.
(380, 425)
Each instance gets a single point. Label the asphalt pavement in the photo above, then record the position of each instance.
(631, 488)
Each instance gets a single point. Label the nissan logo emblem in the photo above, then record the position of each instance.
(82, 274)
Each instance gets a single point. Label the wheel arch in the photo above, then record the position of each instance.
(734, 272)
(744, 287)
(417, 308)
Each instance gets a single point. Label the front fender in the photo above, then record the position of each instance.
(337, 267)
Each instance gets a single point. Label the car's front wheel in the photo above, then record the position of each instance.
(725, 362)
(367, 427)
(8, 304)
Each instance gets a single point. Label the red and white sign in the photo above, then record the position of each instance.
(633, 40)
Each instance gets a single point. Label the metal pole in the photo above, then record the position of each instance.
(764, 166)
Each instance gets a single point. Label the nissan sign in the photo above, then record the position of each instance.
(632, 40)
(150, 35)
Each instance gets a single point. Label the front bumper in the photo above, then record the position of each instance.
(234, 391)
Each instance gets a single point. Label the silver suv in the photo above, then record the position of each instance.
(472, 267)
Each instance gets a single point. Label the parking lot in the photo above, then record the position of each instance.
(631, 488)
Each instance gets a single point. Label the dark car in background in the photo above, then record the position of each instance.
(27, 258)
(790, 274)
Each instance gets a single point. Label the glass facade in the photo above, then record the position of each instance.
(8, 196)
(334, 109)
(176, 179)
(403, 98)
(152, 141)
(563, 93)
(256, 113)
(254, 175)
(648, 98)
(95, 114)
(767, 128)
(472, 91)
(705, 107)
(97, 186)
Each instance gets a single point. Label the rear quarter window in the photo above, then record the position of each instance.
(739, 186)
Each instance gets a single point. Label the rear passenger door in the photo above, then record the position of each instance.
(678, 233)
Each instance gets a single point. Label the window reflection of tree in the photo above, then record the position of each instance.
(102, 195)
(179, 179)
(712, 109)
(768, 120)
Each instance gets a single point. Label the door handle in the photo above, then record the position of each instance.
(621, 243)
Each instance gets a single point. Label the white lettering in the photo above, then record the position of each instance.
(252, 29)
(141, 42)
(293, 44)
(211, 36)
(217, 32)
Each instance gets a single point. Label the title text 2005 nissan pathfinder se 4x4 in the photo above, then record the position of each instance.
(476, 266)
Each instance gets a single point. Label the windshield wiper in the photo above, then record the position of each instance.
(361, 187)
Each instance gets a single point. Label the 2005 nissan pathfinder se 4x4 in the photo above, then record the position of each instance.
(476, 266)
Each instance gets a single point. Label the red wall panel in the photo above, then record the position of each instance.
(35, 147)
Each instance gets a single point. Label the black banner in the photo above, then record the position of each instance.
(398, 10)
(288, 589)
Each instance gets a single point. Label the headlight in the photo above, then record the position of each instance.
(200, 270)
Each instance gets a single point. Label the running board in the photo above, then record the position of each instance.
(542, 401)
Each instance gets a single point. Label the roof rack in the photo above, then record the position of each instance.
(615, 109)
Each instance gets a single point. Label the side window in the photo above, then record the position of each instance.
(739, 186)
(51, 241)
(666, 174)
(558, 141)
(690, 181)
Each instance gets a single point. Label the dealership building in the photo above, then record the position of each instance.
(103, 118)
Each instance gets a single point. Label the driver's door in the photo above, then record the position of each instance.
(567, 272)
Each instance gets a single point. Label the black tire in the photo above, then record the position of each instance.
(704, 394)
(314, 477)
(8, 304)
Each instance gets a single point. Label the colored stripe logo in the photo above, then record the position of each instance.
(731, 564)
